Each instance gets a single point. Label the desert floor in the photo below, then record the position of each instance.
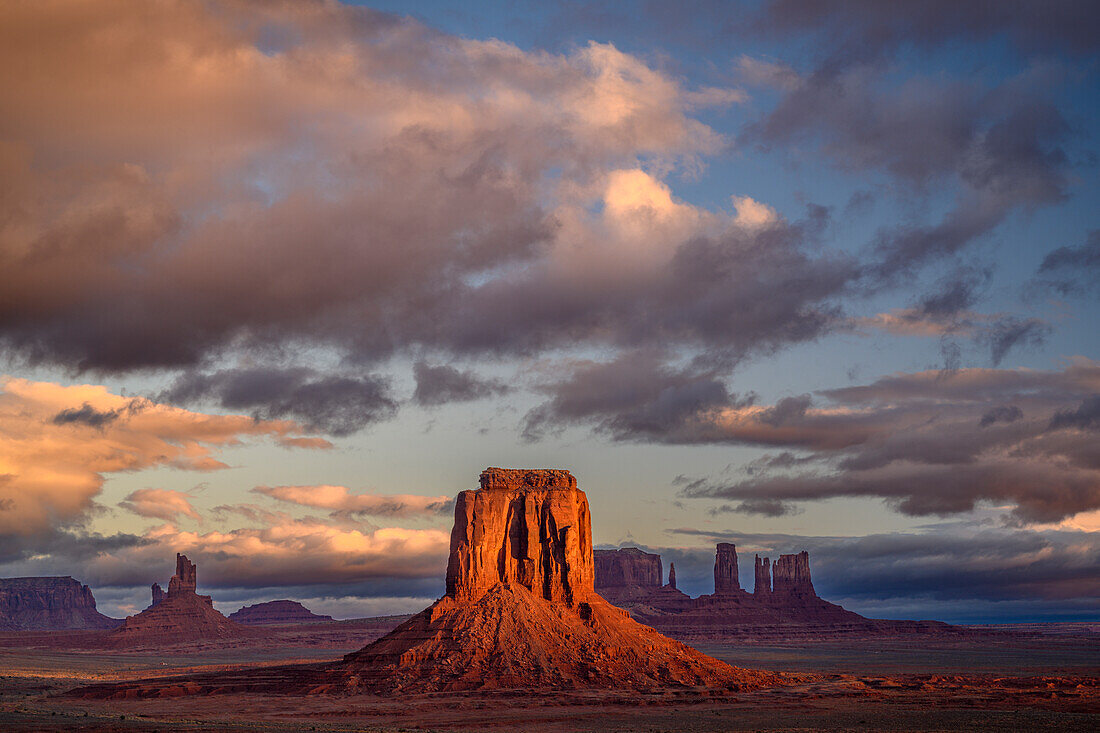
(1026, 683)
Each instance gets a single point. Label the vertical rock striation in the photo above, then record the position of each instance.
(791, 576)
(725, 569)
(763, 585)
(524, 527)
(186, 578)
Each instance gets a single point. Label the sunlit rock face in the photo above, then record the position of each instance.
(521, 610)
(524, 527)
(49, 603)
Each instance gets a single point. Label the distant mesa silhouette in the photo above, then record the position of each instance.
(276, 613)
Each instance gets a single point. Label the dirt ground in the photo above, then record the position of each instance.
(1028, 684)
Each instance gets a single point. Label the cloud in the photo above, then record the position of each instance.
(167, 504)
(322, 175)
(862, 29)
(1073, 270)
(294, 552)
(54, 468)
(928, 443)
(438, 385)
(634, 396)
(338, 405)
(341, 500)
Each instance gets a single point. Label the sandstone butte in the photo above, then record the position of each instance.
(782, 606)
(49, 604)
(181, 614)
(521, 609)
(276, 613)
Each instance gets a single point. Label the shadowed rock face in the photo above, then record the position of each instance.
(725, 569)
(627, 567)
(791, 575)
(186, 578)
(158, 594)
(524, 527)
(49, 603)
(672, 575)
(763, 584)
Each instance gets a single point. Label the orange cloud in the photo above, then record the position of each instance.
(160, 504)
(58, 442)
(341, 499)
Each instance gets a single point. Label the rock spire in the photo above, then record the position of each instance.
(763, 585)
(725, 569)
(672, 575)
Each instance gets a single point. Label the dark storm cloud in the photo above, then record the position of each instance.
(85, 415)
(1085, 417)
(1073, 270)
(858, 29)
(64, 547)
(431, 195)
(1003, 413)
(438, 385)
(635, 396)
(926, 443)
(334, 404)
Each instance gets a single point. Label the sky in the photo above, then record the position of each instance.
(279, 279)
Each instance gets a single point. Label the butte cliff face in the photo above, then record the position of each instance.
(791, 576)
(274, 613)
(725, 570)
(627, 574)
(179, 615)
(521, 610)
(49, 603)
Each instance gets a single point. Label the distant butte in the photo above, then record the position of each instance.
(179, 615)
(276, 613)
(782, 606)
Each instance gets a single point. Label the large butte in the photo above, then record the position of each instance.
(520, 609)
